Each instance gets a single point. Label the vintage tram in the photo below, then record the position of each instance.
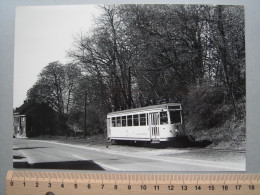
(153, 124)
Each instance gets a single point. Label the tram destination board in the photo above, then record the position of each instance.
(67, 183)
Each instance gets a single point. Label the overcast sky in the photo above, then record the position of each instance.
(43, 34)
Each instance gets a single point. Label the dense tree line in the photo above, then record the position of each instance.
(139, 55)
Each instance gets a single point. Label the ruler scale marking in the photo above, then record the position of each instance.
(34, 183)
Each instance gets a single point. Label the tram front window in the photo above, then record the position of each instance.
(163, 118)
(175, 116)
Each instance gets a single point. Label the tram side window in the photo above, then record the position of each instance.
(113, 122)
(136, 120)
(123, 121)
(163, 118)
(175, 116)
(118, 120)
(129, 120)
(142, 119)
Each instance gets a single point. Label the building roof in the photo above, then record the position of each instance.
(27, 107)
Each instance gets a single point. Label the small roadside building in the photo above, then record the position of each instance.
(19, 125)
(33, 119)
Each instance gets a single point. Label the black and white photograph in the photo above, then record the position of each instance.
(130, 87)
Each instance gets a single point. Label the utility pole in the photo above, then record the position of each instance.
(129, 88)
(41, 119)
(85, 114)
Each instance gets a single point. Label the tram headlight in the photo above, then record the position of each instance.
(176, 128)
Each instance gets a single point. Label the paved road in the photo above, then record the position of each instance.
(54, 155)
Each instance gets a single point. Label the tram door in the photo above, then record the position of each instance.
(154, 126)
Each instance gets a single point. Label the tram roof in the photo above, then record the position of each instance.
(145, 109)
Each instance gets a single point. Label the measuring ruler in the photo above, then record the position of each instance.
(68, 183)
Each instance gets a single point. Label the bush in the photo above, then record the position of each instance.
(94, 120)
(205, 108)
(209, 116)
